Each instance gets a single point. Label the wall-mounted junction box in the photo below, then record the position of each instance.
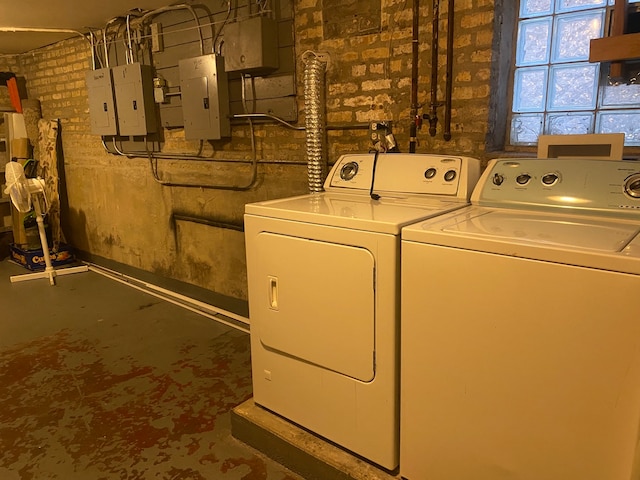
(251, 46)
(102, 109)
(205, 97)
(133, 86)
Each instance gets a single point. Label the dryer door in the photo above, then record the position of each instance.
(314, 301)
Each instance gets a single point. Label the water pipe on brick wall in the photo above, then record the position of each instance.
(433, 112)
(449, 77)
(415, 118)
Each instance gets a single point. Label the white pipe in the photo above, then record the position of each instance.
(40, 30)
(183, 301)
(43, 30)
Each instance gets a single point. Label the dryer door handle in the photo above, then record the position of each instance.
(273, 293)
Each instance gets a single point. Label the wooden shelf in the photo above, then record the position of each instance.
(616, 48)
(6, 229)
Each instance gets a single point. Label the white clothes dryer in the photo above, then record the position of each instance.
(536, 374)
(323, 275)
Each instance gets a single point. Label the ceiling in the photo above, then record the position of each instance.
(60, 14)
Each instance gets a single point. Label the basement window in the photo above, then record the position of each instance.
(555, 88)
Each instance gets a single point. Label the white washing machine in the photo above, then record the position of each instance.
(324, 294)
(536, 374)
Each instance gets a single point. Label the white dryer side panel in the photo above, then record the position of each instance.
(315, 301)
(535, 375)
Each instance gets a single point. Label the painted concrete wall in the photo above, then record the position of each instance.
(118, 211)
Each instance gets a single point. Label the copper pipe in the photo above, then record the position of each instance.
(433, 115)
(449, 78)
(414, 79)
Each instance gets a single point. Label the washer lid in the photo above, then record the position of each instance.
(577, 232)
(360, 212)
(581, 240)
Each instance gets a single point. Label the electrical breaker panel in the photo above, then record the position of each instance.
(102, 110)
(205, 97)
(133, 84)
(251, 46)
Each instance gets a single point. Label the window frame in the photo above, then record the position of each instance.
(503, 64)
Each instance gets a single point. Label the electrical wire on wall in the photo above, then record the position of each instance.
(180, 6)
(135, 42)
(217, 36)
(153, 162)
(92, 41)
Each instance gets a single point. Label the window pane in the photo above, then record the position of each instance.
(530, 8)
(573, 87)
(572, 5)
(529, 92)
(573, 34)
(534, 38)
(620, 95)
(569, 123)
(623, 121)
(525, 129)
(556, 90)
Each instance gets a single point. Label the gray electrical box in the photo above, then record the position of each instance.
(133, 86)
(205, 97)
(102, 110)
(251, 46)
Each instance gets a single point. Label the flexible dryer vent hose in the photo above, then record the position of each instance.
(315, 122)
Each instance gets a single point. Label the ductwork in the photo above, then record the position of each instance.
(315, 121)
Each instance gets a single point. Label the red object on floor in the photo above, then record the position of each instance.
(14, 95)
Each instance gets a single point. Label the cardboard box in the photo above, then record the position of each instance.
(34, 259)
(19, 232)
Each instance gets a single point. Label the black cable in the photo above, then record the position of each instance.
(374, 196)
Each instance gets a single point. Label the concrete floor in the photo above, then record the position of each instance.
(103, 381)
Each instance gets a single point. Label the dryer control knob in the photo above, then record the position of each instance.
(429, 173)
(498, 179)
(523, 179)
(632, 185)
(348, 171)
(550, 178)
(450, 175)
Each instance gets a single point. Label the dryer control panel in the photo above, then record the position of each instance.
(582, 185)
(412, 174)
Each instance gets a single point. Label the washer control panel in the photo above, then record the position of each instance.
(581, 184)
(396, 173)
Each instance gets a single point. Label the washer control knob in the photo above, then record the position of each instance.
(550, 178)
(632, 185)
(429, 173)
(348, 171)
(450, 175)
(498, 179)
(523, 179)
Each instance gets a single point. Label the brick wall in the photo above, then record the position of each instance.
(369, 75)
(114, 208)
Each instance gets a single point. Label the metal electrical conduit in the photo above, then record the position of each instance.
(238, 227)
(44, 30)
(141, 19)
(239, 116)
(188, 156)
(179, 156)
(180, 6)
